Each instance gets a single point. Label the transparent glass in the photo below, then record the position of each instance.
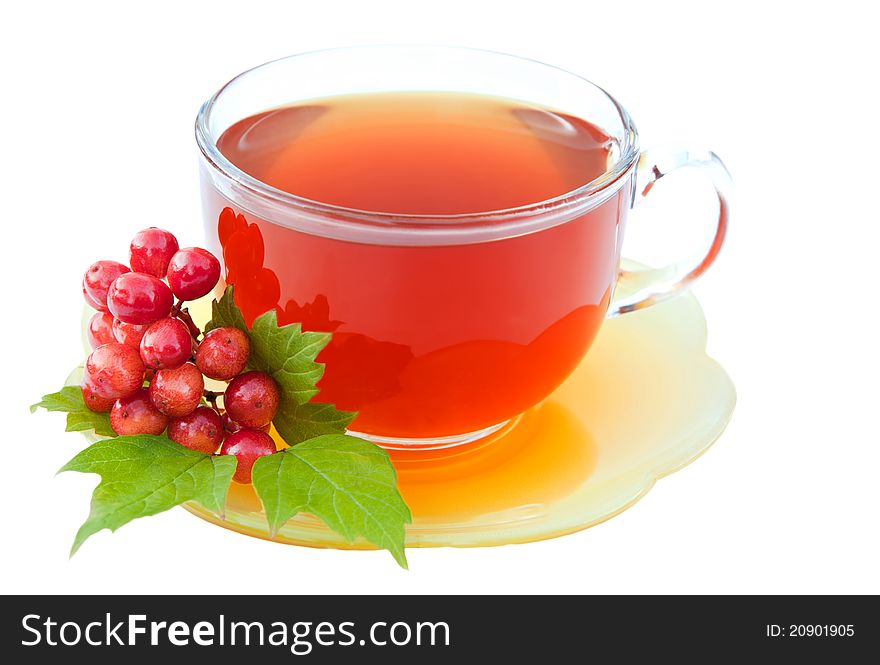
(445, 327)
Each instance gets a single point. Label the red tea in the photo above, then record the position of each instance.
(427, 340)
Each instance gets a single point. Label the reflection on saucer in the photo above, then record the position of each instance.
(540, 457)
(505, 476)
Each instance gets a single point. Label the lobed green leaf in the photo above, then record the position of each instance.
(288, 355)
(79, 417)
(144, 475)
(225, 313)
(300, 422)
(348, 483)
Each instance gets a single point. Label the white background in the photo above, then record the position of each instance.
(97, 108)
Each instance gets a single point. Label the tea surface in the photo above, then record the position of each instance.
(418, 153)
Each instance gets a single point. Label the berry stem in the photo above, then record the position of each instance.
(212, 396)
(182, 313)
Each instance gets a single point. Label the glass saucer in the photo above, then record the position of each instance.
(645, 402)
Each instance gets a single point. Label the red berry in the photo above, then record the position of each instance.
(114, 370)
(247, 445)
(129, 334)
(139, 298)
(252, 399)
(92, 303)
(223, 353)
(193, 272)
(101, 329)
(137, 415)
(166, 344)
(97, 280)
(202, 430)
(177, 392)
(93, 401)
(151, 251)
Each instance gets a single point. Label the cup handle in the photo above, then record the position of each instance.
(657, 285)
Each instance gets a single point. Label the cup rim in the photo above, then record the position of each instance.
(512, 219)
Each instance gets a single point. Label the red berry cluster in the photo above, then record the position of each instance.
(149, 360)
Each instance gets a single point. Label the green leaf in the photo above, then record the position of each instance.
(225, 312)
(288, 355)
(79, 417)
(300, 422)
(144, 475)
(348, 483)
